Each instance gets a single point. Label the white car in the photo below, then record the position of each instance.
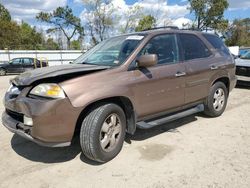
(243, 67)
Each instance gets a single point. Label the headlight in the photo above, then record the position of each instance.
(48, 90)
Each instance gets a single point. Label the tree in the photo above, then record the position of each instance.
(51, 45)
(4, 13)
(239, 33)
(132, 16)
(29, 38)
(9, 35)
(209, 13)
(64, 20)
(75, 45)
(100, 18)
(147, 22)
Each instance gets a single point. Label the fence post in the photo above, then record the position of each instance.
(61, 57)
(8, 52)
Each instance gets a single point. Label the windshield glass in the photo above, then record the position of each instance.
(246, 55)
(111, 52)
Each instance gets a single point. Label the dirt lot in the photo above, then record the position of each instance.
(192, 152)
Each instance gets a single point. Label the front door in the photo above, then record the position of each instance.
(15, 66)
(161, 87)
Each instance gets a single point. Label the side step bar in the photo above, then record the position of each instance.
(151, 124)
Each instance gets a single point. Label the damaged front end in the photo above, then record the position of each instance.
(44, 120)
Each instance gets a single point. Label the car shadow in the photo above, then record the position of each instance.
(36, 153)
(143, 134)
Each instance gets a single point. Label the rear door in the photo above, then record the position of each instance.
(161, 87)
(198, 61)
(28, 64)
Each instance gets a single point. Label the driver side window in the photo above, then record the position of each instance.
(165, 47)
(16, 61)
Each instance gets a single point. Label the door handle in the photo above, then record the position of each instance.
(179, 74)
(214, 67)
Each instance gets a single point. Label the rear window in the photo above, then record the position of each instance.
(217, 43)
(193, 47)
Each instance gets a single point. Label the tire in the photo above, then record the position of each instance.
(102, 132)
(2, 72)
(216, 100)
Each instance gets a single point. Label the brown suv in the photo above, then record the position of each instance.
(137, 80)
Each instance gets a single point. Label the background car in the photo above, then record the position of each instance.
(243, 67)
(243, 51)
(19, 65)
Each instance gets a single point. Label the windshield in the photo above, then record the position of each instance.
(111, 52)
(246, 55)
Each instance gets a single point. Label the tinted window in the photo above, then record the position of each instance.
(193, 47)
(246, 56)
(16, 61)
(27, 61)
(164, 46)
(217, 43)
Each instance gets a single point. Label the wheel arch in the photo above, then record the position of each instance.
(124, 102)
(224, 80)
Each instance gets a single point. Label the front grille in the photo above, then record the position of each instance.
(15, 115)
(242, 71)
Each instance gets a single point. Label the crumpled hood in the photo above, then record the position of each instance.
(29, 77)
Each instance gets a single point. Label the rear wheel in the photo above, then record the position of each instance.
(217, 100)
(103, 132)
(2, 72)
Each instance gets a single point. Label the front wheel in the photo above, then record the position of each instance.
(216, 100)
(2, 72)
(103, 132)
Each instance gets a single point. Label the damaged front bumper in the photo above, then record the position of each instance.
(53, 120)
(24, 131)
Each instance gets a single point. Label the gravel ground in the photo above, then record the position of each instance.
(192, 152)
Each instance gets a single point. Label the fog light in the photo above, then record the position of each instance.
(27, 121)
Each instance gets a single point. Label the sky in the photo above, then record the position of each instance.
(174, 10)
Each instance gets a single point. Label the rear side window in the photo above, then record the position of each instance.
(27, 61)
(217, 43)
(193, 47)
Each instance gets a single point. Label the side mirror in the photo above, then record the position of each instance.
(147, 60)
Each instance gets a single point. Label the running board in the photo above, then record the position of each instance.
(151, 124)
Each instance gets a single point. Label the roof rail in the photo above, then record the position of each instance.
(164, 27)
(191, 29)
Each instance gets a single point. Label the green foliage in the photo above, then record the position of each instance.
(9, 34)
(51, 45)
(75, 45)
(23, 37)
(4, 14)
(147, 22)
(240, 33)
(209, 13)
(30, 39)
(63, 19)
